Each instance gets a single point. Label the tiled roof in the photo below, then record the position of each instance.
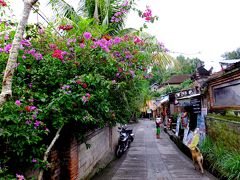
(202, 71)
(178, 79)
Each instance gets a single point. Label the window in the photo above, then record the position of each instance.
(227, 94)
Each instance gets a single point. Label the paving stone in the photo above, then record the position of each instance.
(149, 158)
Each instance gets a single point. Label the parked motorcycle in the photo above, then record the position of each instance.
(126, 136)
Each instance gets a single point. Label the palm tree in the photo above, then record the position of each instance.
(100, 10)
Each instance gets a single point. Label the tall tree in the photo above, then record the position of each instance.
(12, 60)
(181, 65)
(187, 65)
(232, 55)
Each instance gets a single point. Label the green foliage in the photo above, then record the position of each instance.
(219, 132)
(57, 82)
(232, 55)
(181, 65)
(231, 162)
(86, 9)
(228, 117)
(187, 65)
(226, 161)
(173, 89)
(175, 116)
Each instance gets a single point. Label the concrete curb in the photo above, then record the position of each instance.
(187, 152)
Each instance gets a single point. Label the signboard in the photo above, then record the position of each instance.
(201, 126)
(184, 102)
(196, 105)
(193, 140)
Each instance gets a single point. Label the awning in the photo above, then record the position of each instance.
(157, 103)
(164, 99)
(188, 97)
(229, 61)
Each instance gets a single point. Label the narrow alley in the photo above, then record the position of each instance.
(149, 158)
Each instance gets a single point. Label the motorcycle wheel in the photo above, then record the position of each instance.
(119, 151)
(132, 139)
(128, 143)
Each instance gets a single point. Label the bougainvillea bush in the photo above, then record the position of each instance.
(74, 72)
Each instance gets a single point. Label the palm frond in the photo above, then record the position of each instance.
(127, 31)
(63, 9)
(81, 9)
(87, 8)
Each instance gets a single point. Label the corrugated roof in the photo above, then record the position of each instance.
(229, 61)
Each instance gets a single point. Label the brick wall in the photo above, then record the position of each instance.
(73, 161)
(54, 172)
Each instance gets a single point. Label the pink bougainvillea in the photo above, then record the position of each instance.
(87, 35)
(37, 123)
(7, 48)
(147, 14)
(84, 85)
(3, 3)
(53, 46)
(58, 54)
(86, 98)
(118, 16)
(30, 108)
(65, 27)
(18, 102)
(82, 45)
(19, 176)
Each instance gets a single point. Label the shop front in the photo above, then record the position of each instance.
(164, 107)
(190, 115)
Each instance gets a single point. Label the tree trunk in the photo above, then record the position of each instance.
(106, 19)
(95, 15)
(40, 175)
(12, 60)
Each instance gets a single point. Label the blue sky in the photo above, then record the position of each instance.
(194, 28)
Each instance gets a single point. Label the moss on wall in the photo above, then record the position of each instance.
(224, 132)
(227, 117)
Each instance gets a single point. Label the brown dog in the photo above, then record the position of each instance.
(197, 158)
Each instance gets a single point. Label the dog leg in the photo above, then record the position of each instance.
(194, 164)
(200, 163)
(193, 159)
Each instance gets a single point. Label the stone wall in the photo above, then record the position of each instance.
(72, 160)
(226, 132)
(101, 150)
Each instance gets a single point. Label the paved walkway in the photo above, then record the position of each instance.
(152, 159)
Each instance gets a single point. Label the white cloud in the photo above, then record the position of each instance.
(191, 26)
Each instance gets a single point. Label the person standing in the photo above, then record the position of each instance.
(185, 124)
(158, 130)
